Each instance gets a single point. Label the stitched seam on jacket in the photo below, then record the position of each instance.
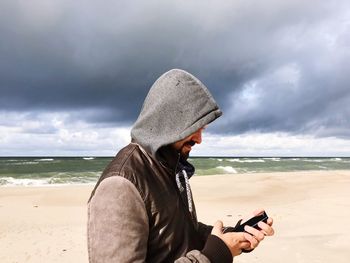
(119, 173)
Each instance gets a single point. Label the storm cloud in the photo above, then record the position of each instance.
(273, 66)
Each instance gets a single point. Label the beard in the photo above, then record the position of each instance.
(185, 149)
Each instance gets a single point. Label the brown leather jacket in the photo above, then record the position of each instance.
(156, 225)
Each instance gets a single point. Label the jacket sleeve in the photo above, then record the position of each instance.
(118, 227)
(204, 231)
(214, 251)
(117, 223)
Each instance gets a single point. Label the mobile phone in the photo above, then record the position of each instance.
(253, 222)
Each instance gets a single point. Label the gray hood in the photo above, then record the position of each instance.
(176, 106)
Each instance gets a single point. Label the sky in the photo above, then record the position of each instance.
(74, 74)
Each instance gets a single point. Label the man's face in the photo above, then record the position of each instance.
(185, 146)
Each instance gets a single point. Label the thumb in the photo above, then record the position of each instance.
(217, 228)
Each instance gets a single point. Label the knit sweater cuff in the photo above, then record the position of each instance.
(216, 250)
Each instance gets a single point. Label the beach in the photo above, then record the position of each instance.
(311, 211)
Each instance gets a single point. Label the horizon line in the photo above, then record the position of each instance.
(198, 156)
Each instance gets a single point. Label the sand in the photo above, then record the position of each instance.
(311, 212)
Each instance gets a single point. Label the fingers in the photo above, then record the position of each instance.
(253, 242)
(235, 241)
(270, 221)
(254, 236)
(244, 245)
(266, 228)
(217, 228)
(258, 235)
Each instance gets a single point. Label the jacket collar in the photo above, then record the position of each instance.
(172, 160)
(168, 157)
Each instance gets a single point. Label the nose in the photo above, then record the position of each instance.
(197, 137)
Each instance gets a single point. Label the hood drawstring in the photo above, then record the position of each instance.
(179, 185)
(187, 186)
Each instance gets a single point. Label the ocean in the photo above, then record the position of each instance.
(45, 171)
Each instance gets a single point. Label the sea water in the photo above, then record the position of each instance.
(44, 171)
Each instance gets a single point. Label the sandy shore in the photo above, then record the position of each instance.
(311, 212)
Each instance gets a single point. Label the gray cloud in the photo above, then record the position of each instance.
(272, 65)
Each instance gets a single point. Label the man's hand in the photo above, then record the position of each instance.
(237, 241)
(255, 235)
(233, 240)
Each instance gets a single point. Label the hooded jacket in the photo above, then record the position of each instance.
(177, 105)
(137, 211)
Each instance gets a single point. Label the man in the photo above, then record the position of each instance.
(141, 209)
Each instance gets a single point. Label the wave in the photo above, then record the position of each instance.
(45, 160)
(336, 159)
(313, 161)
(88, 158)
(246, 161)
(10, 181)
(228, 169)
(274, 159)
(216, 159)
(21, 163)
